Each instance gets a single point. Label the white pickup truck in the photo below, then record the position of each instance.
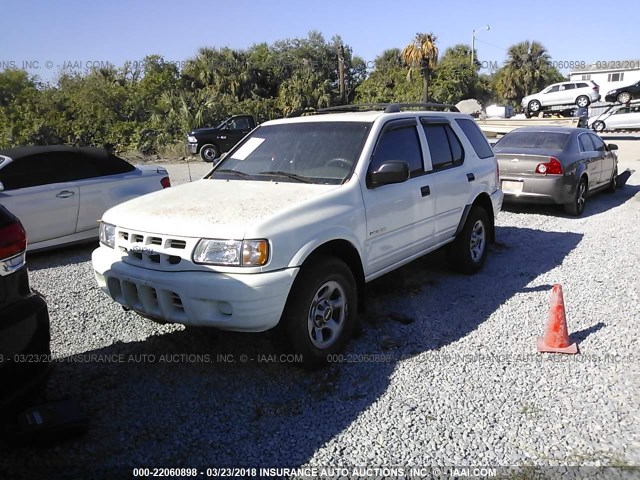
(287, 229)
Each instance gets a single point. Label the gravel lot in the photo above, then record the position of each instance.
(445, 373)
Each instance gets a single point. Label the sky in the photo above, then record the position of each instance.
(42, 36)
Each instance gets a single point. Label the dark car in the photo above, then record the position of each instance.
(24, 322)
(623, 94)
(211, 142)
(560, 165)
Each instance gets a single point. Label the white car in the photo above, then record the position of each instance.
(580, 93)
(618, 117)
(287, 229)
(59, 193)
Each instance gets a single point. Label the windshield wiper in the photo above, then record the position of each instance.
(292, 176)
(235, 172)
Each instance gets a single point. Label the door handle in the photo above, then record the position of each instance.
(424, 191)
(471, 177)
(65, 194)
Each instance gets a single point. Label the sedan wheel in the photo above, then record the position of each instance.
(624, 97)
(582, 101)
(576, 207)
(598, 126)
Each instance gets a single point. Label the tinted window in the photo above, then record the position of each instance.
(586, 145)
(476, 137)
(569, 86)
(322, 152)
(553, 89)
(38, 169)
(545, 140)
(399, 144)
(582, 85)
(444, 146)
(597, 142)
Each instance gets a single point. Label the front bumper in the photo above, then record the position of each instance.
(541, 189)
(192, 148)
(240, 302)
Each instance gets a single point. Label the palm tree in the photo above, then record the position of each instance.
(422, 54)
(527, 70)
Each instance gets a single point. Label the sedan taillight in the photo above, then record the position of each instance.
(13, 240)
(165, 182)
(552, 167)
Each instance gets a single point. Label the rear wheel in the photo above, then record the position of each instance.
(576, 206)
(624, 97)
(598, 126)
(320, 314)
(583, 101)
(468, 251)
(209, 152)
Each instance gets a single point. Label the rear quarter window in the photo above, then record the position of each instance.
(476, 137)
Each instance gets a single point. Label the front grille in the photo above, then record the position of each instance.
(146, 299)
(153, 250)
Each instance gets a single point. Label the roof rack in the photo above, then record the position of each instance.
(386, 107)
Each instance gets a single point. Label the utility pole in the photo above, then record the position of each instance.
(341, 79)
(473, 42)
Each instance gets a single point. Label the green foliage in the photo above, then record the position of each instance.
(151, 106)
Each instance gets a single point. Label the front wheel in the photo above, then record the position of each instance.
(320, 314)
(534, 107)
(209, 152)
(468, 251)
(576, 206)
(624, 97)
(598, 126)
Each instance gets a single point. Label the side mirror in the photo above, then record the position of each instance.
(394, 171)
(612, 146)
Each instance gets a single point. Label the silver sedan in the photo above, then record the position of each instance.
(561, 165)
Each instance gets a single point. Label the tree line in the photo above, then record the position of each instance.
(150, 105)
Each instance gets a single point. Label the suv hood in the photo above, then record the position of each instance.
(211, 208)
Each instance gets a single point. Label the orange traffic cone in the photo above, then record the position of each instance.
(556, 336)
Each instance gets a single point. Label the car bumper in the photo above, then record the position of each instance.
(543, 189)
(239, 302)
(24, 352)
(497, 198)
(192, 148)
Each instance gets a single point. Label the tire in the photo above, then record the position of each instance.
(598, 126)
(468, 251)
(583, 101)
(624, 97)
(576, 206)
(209, 152)
(320, 314)
(534, 107)
(613, 185)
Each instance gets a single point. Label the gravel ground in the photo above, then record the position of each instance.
(445, 372)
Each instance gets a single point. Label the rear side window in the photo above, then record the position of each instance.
(582, 85)
(444, 146)
(400, 143)
(476, 137)
(586, 145)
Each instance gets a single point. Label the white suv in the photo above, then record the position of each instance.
(286, 230)
(580, 93)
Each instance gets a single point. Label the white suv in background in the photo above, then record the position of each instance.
(581, 93)
(286, 230)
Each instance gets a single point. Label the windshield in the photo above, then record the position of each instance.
(542, 140)
(309, 152)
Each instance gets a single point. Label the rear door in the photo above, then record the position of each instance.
(40, 191)
(567, 93)
(400, 220)
(591, 158)
(449, 178)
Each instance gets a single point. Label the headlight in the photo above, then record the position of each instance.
(192, 139)
(107, 234)
(247, 253)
